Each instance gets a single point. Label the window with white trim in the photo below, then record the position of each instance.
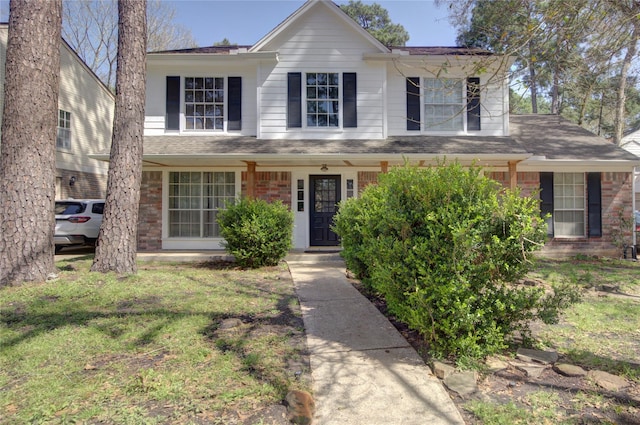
(569, 204)
(323, 99)
(194, 201)
(204, 103)
(444, 104)
(63, 138)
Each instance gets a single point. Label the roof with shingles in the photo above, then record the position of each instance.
(556, 138)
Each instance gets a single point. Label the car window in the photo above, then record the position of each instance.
(98, 208)
(66, 208)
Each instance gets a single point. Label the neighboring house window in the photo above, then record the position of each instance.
(443, 104)
(63, 139)
(323, 99)
(204, 103)
(194, 201)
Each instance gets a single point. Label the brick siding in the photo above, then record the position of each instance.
(270, 186)
(86, 186)
(150, 213)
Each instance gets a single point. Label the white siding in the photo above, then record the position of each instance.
(318, 42)
(155, 107)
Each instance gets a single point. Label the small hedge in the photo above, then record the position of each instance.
(256, 233)
(445, 246)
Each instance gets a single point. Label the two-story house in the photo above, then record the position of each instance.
(85, 119)
(318, 108)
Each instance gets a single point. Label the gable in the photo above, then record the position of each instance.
(319, 19)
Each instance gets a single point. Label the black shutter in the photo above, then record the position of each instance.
(413, 103)
(473, 104)
(172, 117)
(546, 199)
(594, 204)
(234, 121)
(349, 100)
(294, 100)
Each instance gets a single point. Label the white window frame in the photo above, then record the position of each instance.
(63, 135)
(187, 117)
(306, 100)
(569, 198)
(459, 107)
(186, 200)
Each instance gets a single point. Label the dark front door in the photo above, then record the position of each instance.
(325, 195)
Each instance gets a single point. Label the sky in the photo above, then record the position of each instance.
(247, 21)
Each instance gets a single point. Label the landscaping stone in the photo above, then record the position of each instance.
(569, 370)
(442, 370)
(495, 364)
(300, 407)
(533, 370)
(607, 381)
(228, 324)
(538, 356)
(462, 383)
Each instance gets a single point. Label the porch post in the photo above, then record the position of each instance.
(251, 179)
(384, 166)
(513, 174)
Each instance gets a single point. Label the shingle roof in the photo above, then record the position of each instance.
(246, 145)
(217, 50)
(556, 138)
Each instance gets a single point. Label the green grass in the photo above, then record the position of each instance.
(602, 331)
(146, 348)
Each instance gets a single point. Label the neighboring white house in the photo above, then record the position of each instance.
(85, 119)
(317, 108)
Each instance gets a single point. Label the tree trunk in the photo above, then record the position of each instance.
(533, 83)
(632, 48)
(29, 126)
(116, 247)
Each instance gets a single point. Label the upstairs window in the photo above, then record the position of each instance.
(63, 139)
(443, 104)
(323, 99)
(204, 103)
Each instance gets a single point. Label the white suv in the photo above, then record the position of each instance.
(77, 222)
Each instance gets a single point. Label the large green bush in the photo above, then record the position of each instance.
(445, 246)
(256, 233)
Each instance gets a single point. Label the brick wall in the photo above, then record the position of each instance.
(86, 186)
(365, 178)
(270, 186)
(616, 200)
(150, 214)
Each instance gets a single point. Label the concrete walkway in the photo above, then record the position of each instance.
(363, 370)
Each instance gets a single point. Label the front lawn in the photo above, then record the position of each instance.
(176, 343)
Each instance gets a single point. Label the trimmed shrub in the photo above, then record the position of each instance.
(256, 233)
(445, 246)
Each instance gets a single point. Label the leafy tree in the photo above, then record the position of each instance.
(29, 122)
(116, 245)
(375, 19)
(91, 28)
(224, 42)
(572, 50)
(446, 247)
